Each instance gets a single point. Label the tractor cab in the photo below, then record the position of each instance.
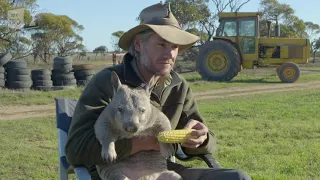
(242, 29)
(234, 24)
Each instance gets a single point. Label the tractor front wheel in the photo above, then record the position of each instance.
(218, 60)
(289, 72)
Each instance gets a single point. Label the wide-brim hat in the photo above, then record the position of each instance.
(160, 19)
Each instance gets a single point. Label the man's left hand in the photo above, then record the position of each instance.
(200, 132)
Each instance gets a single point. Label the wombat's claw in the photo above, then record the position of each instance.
(109, 156)
(166, 150)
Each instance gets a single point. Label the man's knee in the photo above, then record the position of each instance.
(226, 174)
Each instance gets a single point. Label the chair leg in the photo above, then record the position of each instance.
(63, 174)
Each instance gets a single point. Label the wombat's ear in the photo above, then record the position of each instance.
(150, 85)
(115, 81)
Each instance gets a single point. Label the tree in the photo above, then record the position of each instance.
(13, 16)
(313, 31)
(290, 25)
(189, 12)
(115, 39)
(315, 47)
(61, 32)
(100, 50)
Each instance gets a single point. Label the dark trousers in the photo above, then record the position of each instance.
(188, 173)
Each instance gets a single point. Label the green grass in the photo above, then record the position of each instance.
(271, 136)
(10, 97)
(243, 79)
(29, 149)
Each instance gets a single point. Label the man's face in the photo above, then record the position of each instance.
(157, 56)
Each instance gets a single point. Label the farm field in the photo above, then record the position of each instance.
(267, 128)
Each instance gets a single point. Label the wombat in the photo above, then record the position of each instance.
(130, 114)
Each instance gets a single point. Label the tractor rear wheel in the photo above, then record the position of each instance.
(289, 72)
(218, 60)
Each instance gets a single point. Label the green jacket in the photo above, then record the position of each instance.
(175, 100)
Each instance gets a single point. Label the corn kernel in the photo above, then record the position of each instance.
(175, 136)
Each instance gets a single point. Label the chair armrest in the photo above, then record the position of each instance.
(81, 173)
(207, 158)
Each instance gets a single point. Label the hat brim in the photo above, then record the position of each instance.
(171, 34)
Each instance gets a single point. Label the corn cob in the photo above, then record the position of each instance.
(175, 136)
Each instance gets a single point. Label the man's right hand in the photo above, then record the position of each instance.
(144, 143)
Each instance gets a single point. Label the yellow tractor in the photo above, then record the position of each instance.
(238, 45)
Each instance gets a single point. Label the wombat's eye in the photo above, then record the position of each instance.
(120, 109)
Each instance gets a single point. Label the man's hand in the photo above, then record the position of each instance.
(144, 143)
(200, 131)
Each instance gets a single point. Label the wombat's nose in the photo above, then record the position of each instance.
(131, 129)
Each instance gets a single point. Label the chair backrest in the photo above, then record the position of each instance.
(64, 112)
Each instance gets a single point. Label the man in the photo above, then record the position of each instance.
(153, 48)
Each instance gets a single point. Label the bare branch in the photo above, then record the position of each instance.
(241, 6)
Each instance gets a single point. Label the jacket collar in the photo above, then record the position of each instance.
(131, 77)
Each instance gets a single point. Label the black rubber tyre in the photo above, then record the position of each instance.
(80, 73)
(19, 84)
(62, 66)
(84, 77)
(38, 72)
(289, 72)
(2, 83)
(21, 71)
(43, 88)
(41, 77)
(63, 76)
(82, 82)
(77, 67)
(65, 82)
(5, 58)
(2, 70)
(16, 64)
(218, 60)
(61, 71)
(62, 60)
(42, 83)
(15, 77)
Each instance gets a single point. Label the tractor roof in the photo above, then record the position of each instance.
(238, 14)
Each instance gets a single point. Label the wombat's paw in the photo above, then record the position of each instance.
(108, 155)
(166, 150)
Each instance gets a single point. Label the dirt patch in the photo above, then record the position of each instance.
(29, 111)
(26, 111)
(260, 89)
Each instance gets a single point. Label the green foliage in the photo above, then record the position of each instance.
(115, 36)
(290, 25)
(57, 33)
(189, 12)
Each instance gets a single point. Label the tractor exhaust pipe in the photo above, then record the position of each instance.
(269, 28)
(277, 28)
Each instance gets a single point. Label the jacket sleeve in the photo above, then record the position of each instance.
(191, 111)
(82, 147)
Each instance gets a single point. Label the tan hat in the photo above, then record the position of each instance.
(160, 19)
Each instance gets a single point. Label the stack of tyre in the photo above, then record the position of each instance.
(41, 79)
(83, 73)
(2, 77)
(18, 75)
(4, 58)
(62, 73)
